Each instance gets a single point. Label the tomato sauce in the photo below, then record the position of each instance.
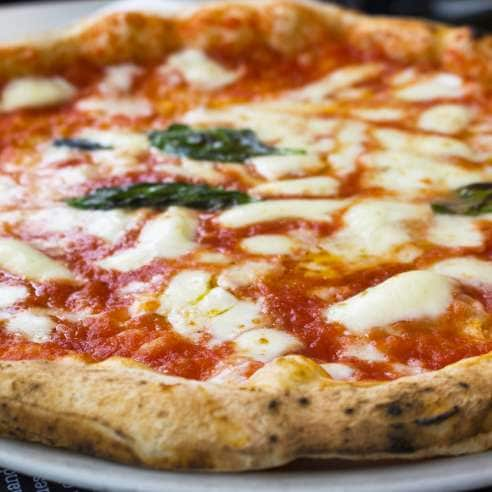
(293, 299)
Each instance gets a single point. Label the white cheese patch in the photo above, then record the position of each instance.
(247, 273)
(468, 270)
(445, 118)
(252, 213)
(35, 92)
(350, 138)
(338, 371)
(216, 301)
(268, 244)
(213, 257)
(199, 70)
(264, 344)
(242, 316)
(10, 192)
(135, 143)
(19, 258)
(169, 235)
(364, 351)
(119, 78)
(454, 232)
(132, 107)
(53, 155)
(277, 166)
(314, 186)
(421, 144)
(339, 79)
(185, 288)
(10, 294)
(374, 228)
(378, 114)
(192, 307)
(408, 173)
(440, 86)
(36, 328)
(406, 296)
(109, 225)
(193, 170)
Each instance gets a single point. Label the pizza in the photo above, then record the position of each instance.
(247, 233)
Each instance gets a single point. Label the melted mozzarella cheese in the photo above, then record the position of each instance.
(35, 327)
(10, 294)
(350, 139)
(193, 170)
(199, 70)
(109, 225)
(252, 213)
(193, 307)
(132, 142)
(421, 144)
(336, 80)
(445, 118)
(268, 244)
(169, 235)
(364, 351)
(23, 260)
(185, 288)
(315, 186)
(373, 228)
(440, 86)
(247, 273)
(406, 296)
(408, 173)
(34, 92)
(264, 344)
(454, 232)
(277, 166)
(10, 192)
(131, 107)
(119, 78)
(378, 114)
(468, 270)
(338, 371)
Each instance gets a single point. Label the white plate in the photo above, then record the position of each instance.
(443, 475)
(446, 475)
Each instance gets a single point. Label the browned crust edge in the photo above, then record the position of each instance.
(290, 408)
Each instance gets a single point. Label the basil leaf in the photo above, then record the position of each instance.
(472, 199)
(160, 195)
(216, 144)
(80, 144)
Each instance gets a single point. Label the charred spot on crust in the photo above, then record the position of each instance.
(394, 409)
(273, 438)
(464, 385)
(399, 444)
(349, 411)
(439, 418)
(304, 401)
(273, 405)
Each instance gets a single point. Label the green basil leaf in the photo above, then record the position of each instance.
(80, 144)
(215, 144)
(472, 199)
(160, 195)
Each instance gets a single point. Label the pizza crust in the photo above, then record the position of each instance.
(120, 410)
(289, 409)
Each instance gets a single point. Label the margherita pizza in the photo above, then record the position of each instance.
(245, 234)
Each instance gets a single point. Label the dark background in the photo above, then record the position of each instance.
(475, 12)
